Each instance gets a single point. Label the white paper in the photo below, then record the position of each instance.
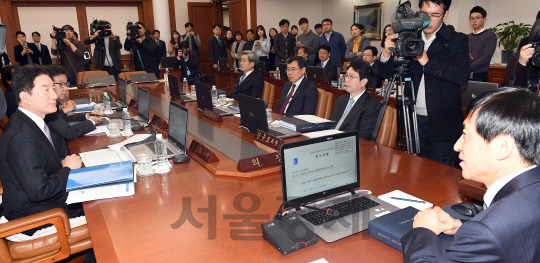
(104, 156)
(322, 260)
(101, 192)
(312, 118)
(99, 129)
(322, 133)
(403, 204)
(132, 139)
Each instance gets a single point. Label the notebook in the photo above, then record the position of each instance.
(174, 89)
(101, 81)
(324, 172)
(253, 118)
(204, 100)
(260, 67)
(472, 89)
(144, 78)
(314, 73)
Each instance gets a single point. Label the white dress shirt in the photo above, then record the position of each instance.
(294, 92)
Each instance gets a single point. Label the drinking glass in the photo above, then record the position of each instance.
(144, 165)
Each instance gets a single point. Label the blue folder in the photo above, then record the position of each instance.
(99, 175)
(82, 109)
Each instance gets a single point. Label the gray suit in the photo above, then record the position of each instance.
(364, 42)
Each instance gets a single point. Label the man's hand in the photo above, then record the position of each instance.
(96, 119)
(388, 44)
(69, 106)
(95, 35)
(215, 66)
(112, 34)
(139, 40)
(422, 59)
(72, 161)
(429, 218)
(525, 54)
(25, 50)
(445, 218)
(359, 54)
(53, 34)
(185, 56)
(67, 41)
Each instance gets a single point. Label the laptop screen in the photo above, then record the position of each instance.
(178, 125)
(173, 86)
(204, 96)
(320, 167)
(122, 90)
(143, 99)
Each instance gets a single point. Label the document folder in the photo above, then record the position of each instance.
(99, 175)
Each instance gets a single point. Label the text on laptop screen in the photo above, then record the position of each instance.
(318, 167)
(143, 100)
(122, 90)
(178, 125)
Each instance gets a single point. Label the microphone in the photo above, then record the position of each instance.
(278, 100)
(82, 85)
(329, 211)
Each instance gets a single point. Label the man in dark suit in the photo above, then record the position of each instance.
(302, 53)
(436, 80)
(33, 175)
(107, 54)
(499, 147)
(25, 53)
(193, 40)
(370, 56)
(330, 69)
(250, 82)
(162, 48)
(144, 46)
(302, 92)
(45, 54)
(358, 110)
(216, 46)
(284, 43)
(188, 67)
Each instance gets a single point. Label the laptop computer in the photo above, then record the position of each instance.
(324, 172)
(222, 62)
(314, 73)
(472, 89)
(261, 67)
(283, 71)
(174, 89)
(253, 118)
(168, 62)
(143, 105)
(144, 78)
(177, 134)
(204, 100)
(101, 81)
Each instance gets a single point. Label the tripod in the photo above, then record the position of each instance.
(406, 110)
(62, 52)
(132, 60)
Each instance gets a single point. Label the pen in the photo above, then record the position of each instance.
(410, 200)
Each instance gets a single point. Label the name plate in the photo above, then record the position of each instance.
(268, 140)
(212, 115)
(178, 100)
(133, 104)
(202, 152)
(159, 122)
(258, 162)
(371, 90)
(325, 82)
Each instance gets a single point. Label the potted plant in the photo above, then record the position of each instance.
(509, 35)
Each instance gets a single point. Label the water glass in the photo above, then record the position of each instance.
(114, 129)
(144, 166)
(222, 99)
(193, 90)
(98, 108)
(215, 100)
(269, 115)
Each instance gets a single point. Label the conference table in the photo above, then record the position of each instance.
(193, 214)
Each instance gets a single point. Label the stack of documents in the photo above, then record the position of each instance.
(83, 108)
(304, 123)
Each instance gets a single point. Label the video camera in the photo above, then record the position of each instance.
(133, 30)
(60, 34)
(100, 25)
(408, 24)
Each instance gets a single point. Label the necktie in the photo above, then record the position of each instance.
(48, 133)
(157, 42)
(242, 77)
(39, 48)
(286, 102)
(349, 106)
(322, 64)
(30, 62)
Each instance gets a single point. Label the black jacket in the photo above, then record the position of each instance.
(216, 49)
(284, 48)
(59, 125)
(114, 51)
(147, 50)
(23, 59)
(184, 66)
(45, 55)
(361, 118)
(253, 85)
(304, 100)
(330, 70)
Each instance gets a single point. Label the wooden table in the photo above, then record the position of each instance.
(146, 227)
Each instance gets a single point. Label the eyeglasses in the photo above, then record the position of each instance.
(352, 77)
(475, 18)
(292, 69)
(435, 17)
(62, 84)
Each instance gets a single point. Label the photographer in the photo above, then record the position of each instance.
(72, 53)
(188, 66)
(437, 75)
(107, 50)
(523, 69)
(193, 40)
(144, 48)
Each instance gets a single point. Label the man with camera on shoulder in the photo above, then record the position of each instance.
(188, 66)
(144, 48)
(71, 51)
(107, 55)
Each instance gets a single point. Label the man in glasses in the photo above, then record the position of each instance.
(358, 110)
(437, 75)
(482, 44)
(299, 95)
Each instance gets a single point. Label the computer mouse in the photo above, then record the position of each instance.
(181, 158)
(466, 209)
(137, 128)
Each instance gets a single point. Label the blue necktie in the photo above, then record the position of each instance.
(322, 64)
(349, 106)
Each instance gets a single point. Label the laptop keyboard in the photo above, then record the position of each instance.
(222, 112)
(153, 148)
(187, 98)
(344, 208)
(275, 133)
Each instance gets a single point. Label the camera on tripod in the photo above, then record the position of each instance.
(60, 34)
(100, 25)
(408, 24)
(133, 30)
(536, 56)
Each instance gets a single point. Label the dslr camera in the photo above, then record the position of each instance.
(185, 52)
(536, 56)
(133, 30)
(60, 34)
(408, 24)
(100, 25)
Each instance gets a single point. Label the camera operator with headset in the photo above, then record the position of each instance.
(143, 46)
(185, 61)
(70, 50)
(523, 69)
(107, 55)
(443, 66)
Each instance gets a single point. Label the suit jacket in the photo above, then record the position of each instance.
(59, 125)
(30, 170)
(238, 53)
(147, 49)
(330, 70)
(114, 51)
(361, 118)
(284, 48)
(507, 231)
(376, 80)
(304, 100)
(217, 49)
(23, 59)
(364, 42)
(253, 85)
(45, 54)
(161, 51)
(448, 68)
(184, 66)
